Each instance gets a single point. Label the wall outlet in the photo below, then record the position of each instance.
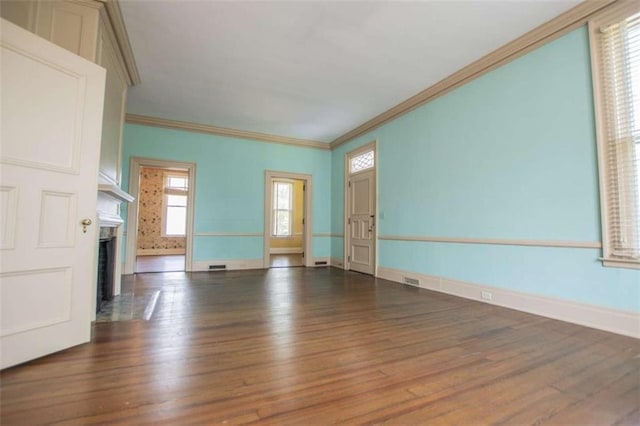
(486, 295)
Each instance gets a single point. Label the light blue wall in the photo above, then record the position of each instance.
(511, 155)
(230, 176)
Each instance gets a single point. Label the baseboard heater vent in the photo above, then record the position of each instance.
(217, 267)
(412, 281)
(321, 262)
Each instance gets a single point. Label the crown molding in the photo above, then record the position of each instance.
(545, 33)
(114, 14)
(222, 131)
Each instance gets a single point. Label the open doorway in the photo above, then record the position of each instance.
(286, 242)
(160, 239)
(162, 219)
(287, 220)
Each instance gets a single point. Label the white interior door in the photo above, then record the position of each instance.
(51, 121)
(361, 222)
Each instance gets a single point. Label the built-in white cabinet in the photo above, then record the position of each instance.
(90, 29)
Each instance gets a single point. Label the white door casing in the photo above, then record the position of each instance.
(51, 119)
(269, 177)
(132, 213)
(360, 211)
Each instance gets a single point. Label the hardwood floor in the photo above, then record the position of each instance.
(310, 346)
(161, 263)
(285, 260)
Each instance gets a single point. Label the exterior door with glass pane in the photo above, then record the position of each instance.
(361, 208)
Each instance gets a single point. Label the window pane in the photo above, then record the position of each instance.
(283, 196)
(282, 223)
(177, 200)
(282, 205)
(176, 220)
(362, 162)
(177, 182)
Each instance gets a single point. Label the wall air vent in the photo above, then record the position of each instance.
(412, 281)
(217, 267)
(321, 262)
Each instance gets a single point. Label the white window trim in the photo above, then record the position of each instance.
(292, 210)
(307, 209)
(610, 15)
(165, 203)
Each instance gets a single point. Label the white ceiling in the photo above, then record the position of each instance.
(310, 70)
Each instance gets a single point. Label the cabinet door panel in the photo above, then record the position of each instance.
(69, 25)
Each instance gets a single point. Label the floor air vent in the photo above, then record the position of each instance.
(217, 267)
(412, 281)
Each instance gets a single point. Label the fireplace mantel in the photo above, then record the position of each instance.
(115, 193)
(109, 197)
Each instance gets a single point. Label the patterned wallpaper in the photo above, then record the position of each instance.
(150, 212)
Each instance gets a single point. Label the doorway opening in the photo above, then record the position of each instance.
(361, 206)
(160, 221)
(287, 241)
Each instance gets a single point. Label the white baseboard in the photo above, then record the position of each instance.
(607, 319)
(159, 252)
(238, 264)
(231, 264)
(336, 262)
(286, 250)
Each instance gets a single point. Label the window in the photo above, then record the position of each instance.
(282, 209)
(361, 162)
(615, 37)
(175, 205)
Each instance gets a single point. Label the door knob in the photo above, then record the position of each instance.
(85, 223)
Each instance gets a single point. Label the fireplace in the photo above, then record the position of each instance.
(106, 266)
(110, 196)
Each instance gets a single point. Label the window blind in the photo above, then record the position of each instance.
(619, 57)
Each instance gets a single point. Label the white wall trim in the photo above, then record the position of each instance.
(337, 262)
(109, 219)
(114, 13)
(223, 131)
(229, 234)
(307, 240)
(231, 264)
(607, 319)
(327, 235)
(285, 250)
(158, 252)
(495, 241)
(132, 213)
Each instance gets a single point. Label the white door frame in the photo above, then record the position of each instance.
(132, 213)
(270, 176)
(373, 145)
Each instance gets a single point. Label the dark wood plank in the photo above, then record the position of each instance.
(324, 346)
